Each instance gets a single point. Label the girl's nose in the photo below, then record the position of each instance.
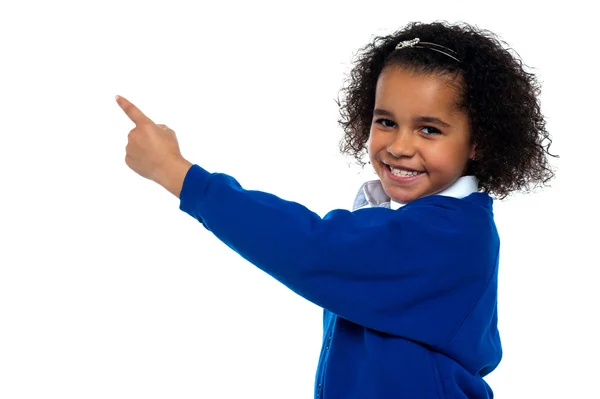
(401, 144)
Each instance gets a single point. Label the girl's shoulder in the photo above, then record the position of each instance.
(462, 214)
(478, 199)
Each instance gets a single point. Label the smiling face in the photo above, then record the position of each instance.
(419, 142)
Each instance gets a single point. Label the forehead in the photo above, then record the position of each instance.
(413, 92)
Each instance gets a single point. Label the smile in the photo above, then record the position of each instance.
(402, 175)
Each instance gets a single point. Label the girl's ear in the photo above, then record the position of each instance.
(473, 152)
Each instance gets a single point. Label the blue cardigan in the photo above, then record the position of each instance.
(409, 295)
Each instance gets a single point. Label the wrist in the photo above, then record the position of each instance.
(172, 175)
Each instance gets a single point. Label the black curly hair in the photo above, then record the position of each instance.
(499, 96)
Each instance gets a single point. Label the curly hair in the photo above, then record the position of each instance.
(499, 96)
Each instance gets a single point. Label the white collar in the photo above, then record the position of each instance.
(372, 193)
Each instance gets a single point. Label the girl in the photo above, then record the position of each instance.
(408, 279)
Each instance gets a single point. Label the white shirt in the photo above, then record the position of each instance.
(371, 194)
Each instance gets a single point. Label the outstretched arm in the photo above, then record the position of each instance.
(416, 272)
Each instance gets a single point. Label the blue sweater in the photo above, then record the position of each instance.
(409, 295)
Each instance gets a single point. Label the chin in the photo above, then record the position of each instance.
(403, 195)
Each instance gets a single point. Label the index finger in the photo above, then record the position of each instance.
(132, 111)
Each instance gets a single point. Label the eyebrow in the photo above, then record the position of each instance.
(424, 119)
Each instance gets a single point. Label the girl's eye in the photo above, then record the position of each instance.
(432, 131)
(385, 122)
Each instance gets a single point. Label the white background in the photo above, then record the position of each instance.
(108, 290)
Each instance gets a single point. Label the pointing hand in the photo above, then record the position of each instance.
(150, 147)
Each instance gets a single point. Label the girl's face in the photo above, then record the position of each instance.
(419, 142)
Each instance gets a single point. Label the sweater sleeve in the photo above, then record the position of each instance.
(414, 272)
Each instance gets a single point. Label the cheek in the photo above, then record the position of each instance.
(373, 143)
(445, 159)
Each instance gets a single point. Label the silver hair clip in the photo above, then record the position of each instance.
(416, 41)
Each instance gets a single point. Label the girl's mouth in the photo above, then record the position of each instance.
(402, 175)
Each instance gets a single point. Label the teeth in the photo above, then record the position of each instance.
(402, 173)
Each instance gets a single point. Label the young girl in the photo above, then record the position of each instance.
(408, 279)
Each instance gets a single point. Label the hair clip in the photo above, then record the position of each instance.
(416, 41)
(407, 43)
